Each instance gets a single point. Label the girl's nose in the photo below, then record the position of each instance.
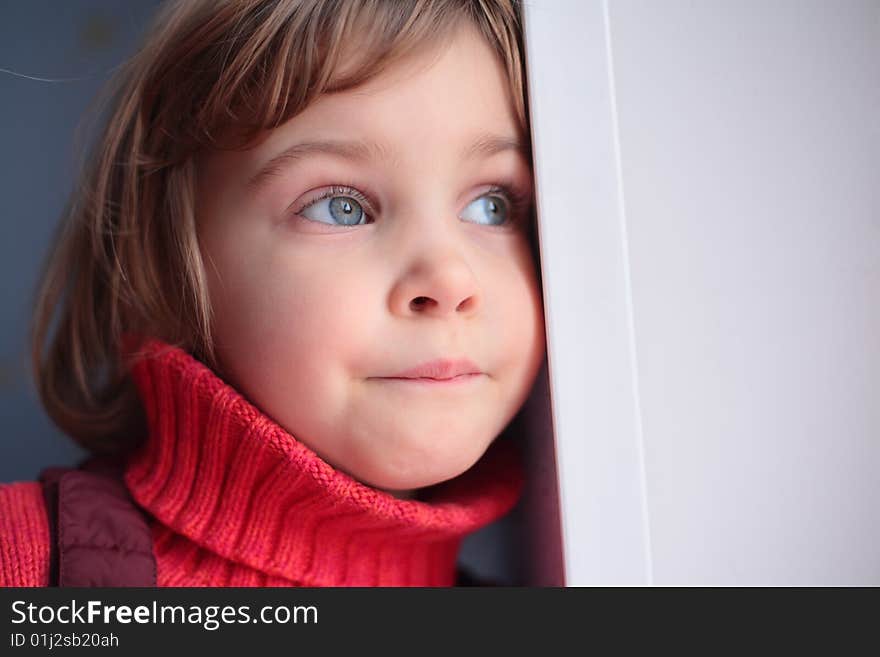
(437, 285)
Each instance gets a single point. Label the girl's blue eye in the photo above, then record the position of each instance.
(345, 206)
(494, 207)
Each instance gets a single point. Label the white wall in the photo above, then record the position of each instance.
(708, 179)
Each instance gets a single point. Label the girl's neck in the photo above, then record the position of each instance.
(402, 494)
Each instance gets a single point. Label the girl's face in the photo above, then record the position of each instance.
(379, 241)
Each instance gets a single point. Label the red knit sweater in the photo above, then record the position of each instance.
(235, 500)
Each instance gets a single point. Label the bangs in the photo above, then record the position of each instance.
(251, 67)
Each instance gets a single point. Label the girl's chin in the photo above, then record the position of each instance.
(405, 485)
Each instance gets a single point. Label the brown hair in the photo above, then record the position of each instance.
(209, 75)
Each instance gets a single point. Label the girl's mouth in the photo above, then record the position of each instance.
(461, 379)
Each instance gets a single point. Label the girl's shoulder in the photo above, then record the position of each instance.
(24, 535)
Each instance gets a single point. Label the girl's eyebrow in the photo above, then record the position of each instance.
(485, 145)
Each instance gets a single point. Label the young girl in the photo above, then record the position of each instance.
(296, 300)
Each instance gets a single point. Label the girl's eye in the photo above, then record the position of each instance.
(345, 206)
(501, 206)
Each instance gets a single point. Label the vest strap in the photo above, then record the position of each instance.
(98, 534)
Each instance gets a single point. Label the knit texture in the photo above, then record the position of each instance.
(24, 535)
(236, 500)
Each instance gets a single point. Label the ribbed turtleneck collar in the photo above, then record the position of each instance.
(234, 493)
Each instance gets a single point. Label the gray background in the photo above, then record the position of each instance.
(76, 45)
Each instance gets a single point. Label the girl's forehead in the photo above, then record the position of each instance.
(396, 138)
(454, 81)
(445, 94)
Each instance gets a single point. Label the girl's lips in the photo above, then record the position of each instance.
(441, 368)
(431, 382)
